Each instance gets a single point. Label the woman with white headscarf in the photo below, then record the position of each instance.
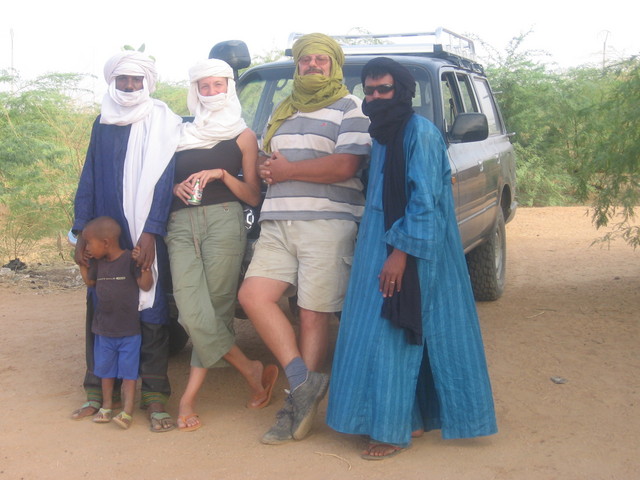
(206, 242)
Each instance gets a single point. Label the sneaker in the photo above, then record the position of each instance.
(281, 430)
(305, 403)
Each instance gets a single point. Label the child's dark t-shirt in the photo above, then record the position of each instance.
(116, 314)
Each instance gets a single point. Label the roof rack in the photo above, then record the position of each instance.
(439, 41)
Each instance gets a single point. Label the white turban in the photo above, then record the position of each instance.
(132, 63)
(125, 108)
(217, 117)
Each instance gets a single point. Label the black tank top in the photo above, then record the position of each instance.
(226, 155)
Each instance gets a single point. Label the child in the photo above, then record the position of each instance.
(116, 322)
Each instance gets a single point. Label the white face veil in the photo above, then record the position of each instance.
(217, 117)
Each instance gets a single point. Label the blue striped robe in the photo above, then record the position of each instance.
(381, 386)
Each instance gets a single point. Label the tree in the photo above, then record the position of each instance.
(174, 95)
(577, 134)
(44, 133)
(610, 176)
(529, 95)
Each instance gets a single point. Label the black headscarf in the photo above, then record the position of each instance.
(389, 118)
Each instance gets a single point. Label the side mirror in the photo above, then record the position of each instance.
(234, 52)
(469, 127)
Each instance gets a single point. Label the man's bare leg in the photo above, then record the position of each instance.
(314, 338)
(259, 298)
(187, 417)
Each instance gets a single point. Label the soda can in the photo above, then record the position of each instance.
(196, 197)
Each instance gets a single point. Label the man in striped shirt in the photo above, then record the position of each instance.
(316, 142)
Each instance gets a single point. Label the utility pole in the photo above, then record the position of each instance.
(604, 50)
(13, 73)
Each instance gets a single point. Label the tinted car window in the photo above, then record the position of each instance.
(488, 106)
(466, 91)
(451, 100)
(260, 91)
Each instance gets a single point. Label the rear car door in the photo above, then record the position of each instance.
(477, 163)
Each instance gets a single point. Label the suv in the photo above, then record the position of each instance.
(453, 92)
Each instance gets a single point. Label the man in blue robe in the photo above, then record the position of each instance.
(128, 175)
(409, 355)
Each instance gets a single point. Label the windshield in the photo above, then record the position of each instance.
(262, 89)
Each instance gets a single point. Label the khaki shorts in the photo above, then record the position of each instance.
(313, 256)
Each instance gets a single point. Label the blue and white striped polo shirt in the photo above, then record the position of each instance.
(338, 128)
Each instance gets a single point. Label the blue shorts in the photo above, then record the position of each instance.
(117, 357)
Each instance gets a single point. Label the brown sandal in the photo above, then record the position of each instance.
(394, 450)
(269, 379)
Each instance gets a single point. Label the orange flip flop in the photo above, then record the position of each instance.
(187, 428)
(269, 378)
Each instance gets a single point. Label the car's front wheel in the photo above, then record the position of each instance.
(487, 264)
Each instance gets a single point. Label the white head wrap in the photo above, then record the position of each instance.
(124, 108)
(217, 117)
(153, 138)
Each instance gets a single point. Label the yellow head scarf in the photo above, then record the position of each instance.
(310, 92)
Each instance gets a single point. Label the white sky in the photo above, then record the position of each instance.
(80, 35)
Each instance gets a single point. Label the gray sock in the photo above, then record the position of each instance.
(296, 373)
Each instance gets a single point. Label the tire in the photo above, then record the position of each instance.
(487, 264)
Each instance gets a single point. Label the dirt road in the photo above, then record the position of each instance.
(570, 312)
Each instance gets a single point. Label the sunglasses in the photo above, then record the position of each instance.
(319, 59)
(382, 89)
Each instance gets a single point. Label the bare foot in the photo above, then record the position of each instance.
(188, 423)
(379, 451)
(417, 433)
(187, 417)
(159, 419)
(87, 410)
(267, 381)
(103, 415)
(255, 380)
(123, 420)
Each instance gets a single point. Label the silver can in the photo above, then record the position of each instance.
(196, 197)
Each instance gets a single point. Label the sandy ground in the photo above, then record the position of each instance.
(569, 311)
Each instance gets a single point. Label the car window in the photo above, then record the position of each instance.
(259, 91)
(466, 92)
(488, 106)
(451, 99)
(423, 101)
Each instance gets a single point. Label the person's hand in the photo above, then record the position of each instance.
(183, 191)
(392, 271)
(135, 253)
(264, 172)
(80, 254)
(147, 246)
(275, 169)
(205, 176)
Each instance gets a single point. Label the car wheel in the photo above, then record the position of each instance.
(487, 264)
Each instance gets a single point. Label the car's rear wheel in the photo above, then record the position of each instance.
(487, 264)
